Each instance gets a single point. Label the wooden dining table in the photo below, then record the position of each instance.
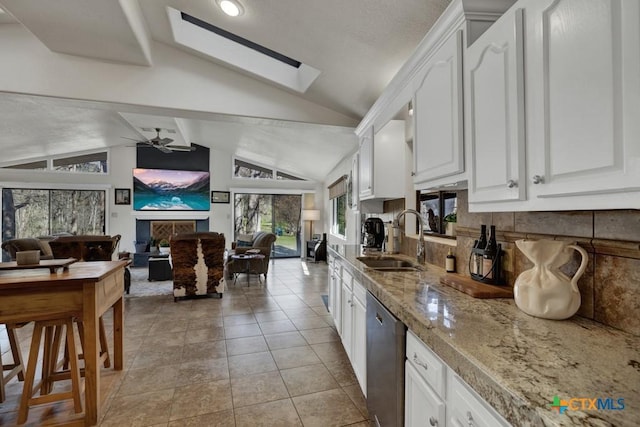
(85, 290)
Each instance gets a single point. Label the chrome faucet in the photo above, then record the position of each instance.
(420, 250)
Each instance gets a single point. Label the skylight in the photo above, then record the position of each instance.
(248, 43)
(241, 53)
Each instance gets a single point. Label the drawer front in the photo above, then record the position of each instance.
(465, 407)
(338, 268)
(360, 293)
(430, 367)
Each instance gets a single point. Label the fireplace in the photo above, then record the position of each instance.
(162, 229)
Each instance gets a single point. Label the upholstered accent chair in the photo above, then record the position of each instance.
(27, 244)
(198, 264)
(260, 242)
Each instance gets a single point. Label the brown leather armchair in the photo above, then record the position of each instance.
(85, 247)
(262, 243)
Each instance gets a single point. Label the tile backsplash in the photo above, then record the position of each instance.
(610, 287)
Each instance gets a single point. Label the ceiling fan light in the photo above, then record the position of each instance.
(231, 7)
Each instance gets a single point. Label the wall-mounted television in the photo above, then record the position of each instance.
(170, 190)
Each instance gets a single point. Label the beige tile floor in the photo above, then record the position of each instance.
(263, 355)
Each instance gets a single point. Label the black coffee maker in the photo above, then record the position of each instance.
(372, 233)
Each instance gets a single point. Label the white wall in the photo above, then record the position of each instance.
(121, 219)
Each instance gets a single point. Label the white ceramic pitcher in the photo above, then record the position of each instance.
(544, 291)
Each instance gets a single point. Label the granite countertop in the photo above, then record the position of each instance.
(516, 362)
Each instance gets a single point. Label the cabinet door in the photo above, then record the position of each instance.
(359, 345)
(583, 96)
(438, 138)
(355, 183)
(495, 112)
(347, 320)
(336, 301)
(422, 407)
(466, 408)
(365, 167)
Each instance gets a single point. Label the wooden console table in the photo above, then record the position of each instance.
(86, 290)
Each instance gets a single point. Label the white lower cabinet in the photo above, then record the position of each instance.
(422, 405)
(354, 326)
(347, 312)
(436, 396)
(359, 344)
(335, 292)
(466, 408)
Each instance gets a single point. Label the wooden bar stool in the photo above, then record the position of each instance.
(53, 331)
(15, 368)
(104, 346)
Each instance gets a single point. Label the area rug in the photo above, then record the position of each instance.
(141, 286)
(325, 300)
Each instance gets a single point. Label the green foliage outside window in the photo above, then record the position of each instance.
(340, 209)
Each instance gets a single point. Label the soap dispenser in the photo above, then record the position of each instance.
(393, 242)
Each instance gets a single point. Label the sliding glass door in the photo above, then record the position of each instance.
(274, 213)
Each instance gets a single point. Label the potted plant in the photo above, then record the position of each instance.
(163, 246)
(450, 221)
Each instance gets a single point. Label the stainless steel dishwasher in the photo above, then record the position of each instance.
(385, 365)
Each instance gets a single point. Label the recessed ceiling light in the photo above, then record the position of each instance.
(231, 7)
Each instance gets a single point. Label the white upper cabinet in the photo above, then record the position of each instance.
(365, 167)
(583, 95)
(581, 98)
(494, 101)
(438, 140)
(382, 165)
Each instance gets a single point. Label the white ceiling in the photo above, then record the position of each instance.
(358, 45)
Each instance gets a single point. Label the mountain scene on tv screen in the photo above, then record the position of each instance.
(170, 190)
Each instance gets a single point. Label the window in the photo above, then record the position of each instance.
(338, 196)
(87, 163)
(93, 163)
(275, 213)
(247, 170)
(39, 212)
(39, 165)
(439, 212)
(244, 169)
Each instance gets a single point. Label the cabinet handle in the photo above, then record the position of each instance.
(418, 362)
(413, 174)
(470, 419)
(511, 183)
(433, 421)
(537, 179)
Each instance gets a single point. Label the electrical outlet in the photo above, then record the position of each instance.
(507, 260)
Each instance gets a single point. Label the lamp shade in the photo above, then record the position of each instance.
(310, 214)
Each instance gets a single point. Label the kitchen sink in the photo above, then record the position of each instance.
(389, 264)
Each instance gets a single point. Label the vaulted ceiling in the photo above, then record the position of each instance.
(81, 74)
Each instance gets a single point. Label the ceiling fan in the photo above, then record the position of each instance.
(162, 144)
